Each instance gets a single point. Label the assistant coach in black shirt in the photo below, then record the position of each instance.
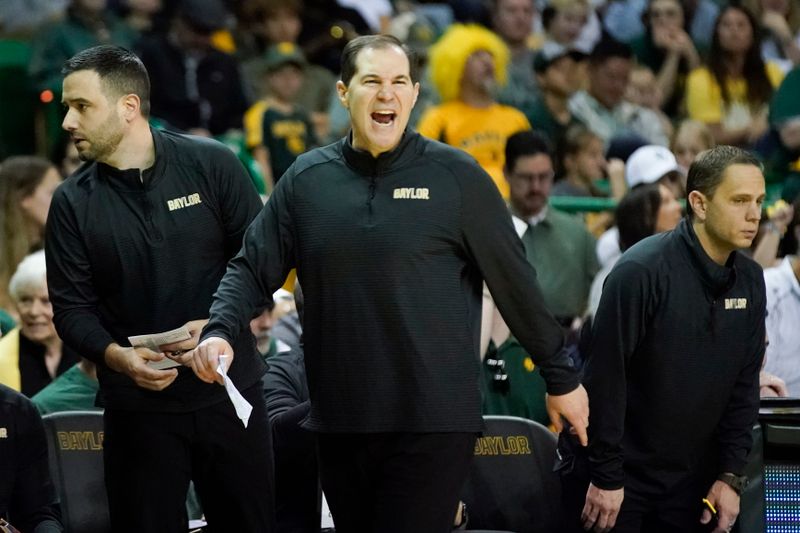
(672, 365)
(392, 236)
(138, 239)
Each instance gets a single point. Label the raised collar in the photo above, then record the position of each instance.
(132, 179)
(718, 278)
(364, 163)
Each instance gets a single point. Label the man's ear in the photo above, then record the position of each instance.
(341, 90)
(698, 203)
(416, 94)
(130, 106)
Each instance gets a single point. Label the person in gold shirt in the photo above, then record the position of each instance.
(467, 64)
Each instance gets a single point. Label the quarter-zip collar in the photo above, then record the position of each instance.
(134, 179)
(718, 278)
(363, 162)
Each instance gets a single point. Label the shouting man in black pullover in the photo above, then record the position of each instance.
(392, 236)
(673, 362)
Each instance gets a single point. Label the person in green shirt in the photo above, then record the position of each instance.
(74, 390)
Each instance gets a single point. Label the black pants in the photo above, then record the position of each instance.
(394, 482)
(678, 512)
(150, 458)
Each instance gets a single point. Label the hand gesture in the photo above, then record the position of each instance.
(178, 351)
(601, 508)
(726, 502)
(205, 359)
(133, 363)
(574, 406)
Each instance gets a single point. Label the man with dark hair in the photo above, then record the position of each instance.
(557, 245)
(603, 108)
(392, 236)
(674, 384)
(137, 241)
(561, 251)
(196, 88)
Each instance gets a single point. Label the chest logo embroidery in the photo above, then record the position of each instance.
(411, 193)
(735, 303)
(184, 201)
(3, 433)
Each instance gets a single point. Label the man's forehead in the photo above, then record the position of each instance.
(84, 84)
(387, 60)
(743, 177)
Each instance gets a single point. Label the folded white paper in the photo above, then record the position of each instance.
(154, 340)
(242, 406)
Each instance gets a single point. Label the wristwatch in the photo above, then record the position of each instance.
(737, 483)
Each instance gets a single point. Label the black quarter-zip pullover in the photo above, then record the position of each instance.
(392, 253)
(673, 363)
(132, 252)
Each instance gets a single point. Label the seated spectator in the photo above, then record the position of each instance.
(559, 74)
(645, 210)
(783, 316)
(74, 390)
(623, 19)
(26, 187)
(32, 355)
(261, 326)
(467, 64)
(271, 22)
(732, 93)
(648, 164)
(277, 129)
(667, 50)
(643, 90)
(513, 21)
(565, 22)
(780, 27)
(88, 23)
(582, 164)
(142, 16)
(194, 87)
(28, 498)
(556, 244)
(603, 108)
(781, 152)
(690, 138)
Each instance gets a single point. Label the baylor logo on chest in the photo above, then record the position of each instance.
(184, 201)
(411, 193)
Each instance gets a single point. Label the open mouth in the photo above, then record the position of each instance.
(384, 118)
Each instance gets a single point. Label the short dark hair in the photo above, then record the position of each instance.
(120, 70)
(352, 49)
(608, 48)
(708, 169)
(636, 214)
(525, 143)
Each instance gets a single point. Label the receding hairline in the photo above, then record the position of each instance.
(381, 45)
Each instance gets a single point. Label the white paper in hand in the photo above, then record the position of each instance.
(242, 406)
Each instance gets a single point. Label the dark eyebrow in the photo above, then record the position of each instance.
(75, 100)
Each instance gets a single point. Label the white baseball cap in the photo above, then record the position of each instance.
(649, 164)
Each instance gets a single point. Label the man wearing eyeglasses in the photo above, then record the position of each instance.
(557, 244)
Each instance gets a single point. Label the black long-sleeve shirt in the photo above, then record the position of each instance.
(391, 253)
(130, 254)
(28, 498)
(673, 363)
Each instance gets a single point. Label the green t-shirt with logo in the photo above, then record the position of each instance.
(524, 395)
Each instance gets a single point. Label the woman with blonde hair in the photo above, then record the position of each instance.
(26, 188)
